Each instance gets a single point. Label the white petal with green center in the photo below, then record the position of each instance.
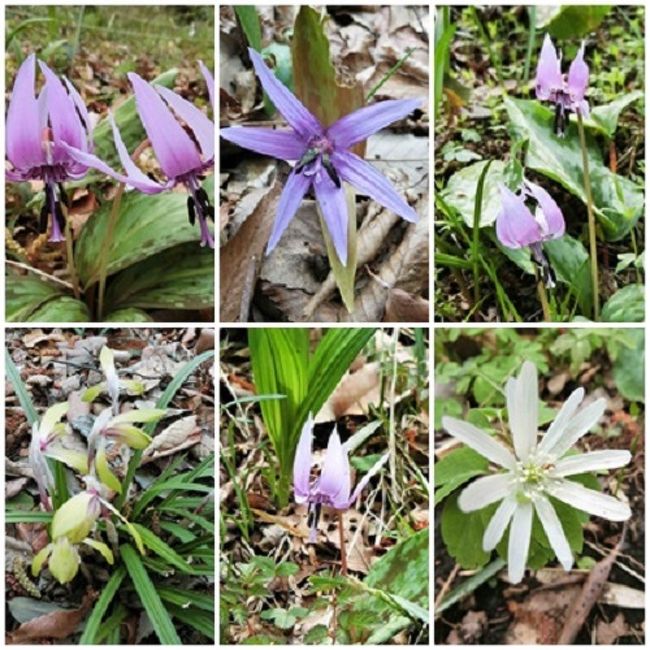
(580, 424)
(562, 419)
(522, 400)
(73, 519)
(51, 417)
(582, 498)
(554, 531)
(519, 541)
(499, 522)
(479, 441)
(484, 491)
(592, 461)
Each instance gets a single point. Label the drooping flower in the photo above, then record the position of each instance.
(567, 92)
(517, 226)
(332, 487)
(536, 470)
(183, 157)
(323, 157)
(38, 132)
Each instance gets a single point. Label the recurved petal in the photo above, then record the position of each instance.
(479, 441)
(499, 522)
(362, 123)
(333, 205)
(578, 77)
(549, 74)
(579, 424)
(519, 541)
(198, 122)
(209, 82)
(286, 145)
(515, 225)
(364, 481)
(562, 419)
(292, 195)
(484, 491)
(553, 217)
(554, 531)
(595, 503)
(175, 150)
(23, 133)
(523, 408)
(592, 461)
(285, 101)
(334, 480)
(302, 462)
(365, 178)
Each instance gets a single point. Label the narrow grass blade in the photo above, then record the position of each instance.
(158, 615)
(187, 597)
(27, 517)
(162, 549)
(21, 390)
(93, 624)
(476, 229)
(200, 621)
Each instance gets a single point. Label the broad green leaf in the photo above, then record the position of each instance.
(629, 368)
(94, 622)
(158, 615)
(61, 310)
(250, 24)
(627, 305)
(179, 278)
(460, 192)
(25, 294)
(146, 225)
(605, 117)
(618, 201)
(570, 21)
(129, 315)
(457, 468)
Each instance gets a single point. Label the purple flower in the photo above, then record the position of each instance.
(322, 156)
(182, 156)
(332, 488)
(39, 130)
(567, 92)
(517, 226)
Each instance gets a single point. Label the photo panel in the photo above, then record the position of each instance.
(324, 151)
(109, 486)
(324, 486)
(540, 486)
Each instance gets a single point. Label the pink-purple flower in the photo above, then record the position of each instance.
(568, 91)
(38, 131)
(183, 155)
(323, 157)
(332, 487)
(518, 226)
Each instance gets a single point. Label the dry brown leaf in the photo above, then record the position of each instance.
(179, 435)
(55, 625)
(607, 633)
(403, 307)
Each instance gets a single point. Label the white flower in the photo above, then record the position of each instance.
(536, 471)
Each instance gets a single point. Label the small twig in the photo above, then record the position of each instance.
(446, 586)
(45, 276)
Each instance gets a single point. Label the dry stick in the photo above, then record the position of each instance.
(344, 557)
(445, 587)
(590, 215)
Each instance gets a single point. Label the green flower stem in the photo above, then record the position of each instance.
(69, 253)
(590, 215)
(344, 557)
(106, 247)
(543, 298)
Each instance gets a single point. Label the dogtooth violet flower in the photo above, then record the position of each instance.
(183, 156)
(322, 156)
(38, 132)
(568, 91)
(536, 470)
(72, 524)
(517, 226)
(332, 487)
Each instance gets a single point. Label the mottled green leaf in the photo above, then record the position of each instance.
(25, 294)
(629, 368)
(627, 305)
(65, 309)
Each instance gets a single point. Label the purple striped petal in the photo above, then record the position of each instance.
(515, 225)
(24, 148)
(286, 145)
(361, 124)
(175, 150)
(209, 82)
(550, 209)
(294, 190)
(201, 125)
(549, 74)
(285, 101)
(333, 205)
(365, 178)
(65, 123)
(578, 77)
